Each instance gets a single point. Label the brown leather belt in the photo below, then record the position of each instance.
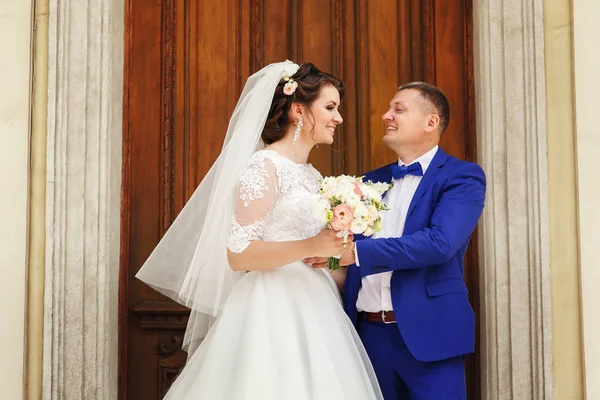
(387, 317)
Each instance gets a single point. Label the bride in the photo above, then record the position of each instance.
(263, 324)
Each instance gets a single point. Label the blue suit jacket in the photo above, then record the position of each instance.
(428, 291)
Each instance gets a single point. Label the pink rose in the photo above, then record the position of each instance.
(342, 217)
(289, 88)
(357, 190)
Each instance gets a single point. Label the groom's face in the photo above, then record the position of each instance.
(406, 120)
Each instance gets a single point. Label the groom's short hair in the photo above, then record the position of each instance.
(435, 97)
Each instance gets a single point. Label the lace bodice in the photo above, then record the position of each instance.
(274, 203)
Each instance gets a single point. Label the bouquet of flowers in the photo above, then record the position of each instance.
(346, 203)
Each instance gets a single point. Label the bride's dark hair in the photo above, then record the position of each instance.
(310, 81)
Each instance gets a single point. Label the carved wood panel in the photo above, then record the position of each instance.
(185, 64)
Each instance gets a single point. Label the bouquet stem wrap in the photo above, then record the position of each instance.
(333, 263)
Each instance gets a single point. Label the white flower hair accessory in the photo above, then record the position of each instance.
(288, 71)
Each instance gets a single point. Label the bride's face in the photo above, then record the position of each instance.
(324, 115)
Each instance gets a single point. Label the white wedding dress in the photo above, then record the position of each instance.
(283, 333)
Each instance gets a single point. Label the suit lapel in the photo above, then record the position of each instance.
(428, 179)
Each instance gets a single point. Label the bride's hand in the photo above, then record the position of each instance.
(321, 262)
(316, 262)
(328, 244)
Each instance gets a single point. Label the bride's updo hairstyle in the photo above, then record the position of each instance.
(310, 81)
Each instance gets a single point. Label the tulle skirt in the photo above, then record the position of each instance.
(282, 335)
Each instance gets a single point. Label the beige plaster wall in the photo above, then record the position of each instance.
(586, 57)
(15, 81)
(564, 260)
(572, 65)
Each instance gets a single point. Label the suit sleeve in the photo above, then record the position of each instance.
(453, 220)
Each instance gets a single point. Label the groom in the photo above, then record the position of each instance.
(405, 288)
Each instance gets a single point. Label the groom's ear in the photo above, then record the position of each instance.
(433, 122)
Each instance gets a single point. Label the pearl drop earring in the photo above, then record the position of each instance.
(297, 132)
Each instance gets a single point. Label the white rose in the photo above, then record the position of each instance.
(369, 232)
(361, 211)
(320, 208)
(362, 187)
(372, 213)
(381, 187)
(349, 197)
(358, 226)
(344, 180)
(330, 188)
(372, 193)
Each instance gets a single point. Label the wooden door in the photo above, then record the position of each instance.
(186, 63)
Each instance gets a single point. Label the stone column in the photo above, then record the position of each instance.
(85, 64)
(514, 234)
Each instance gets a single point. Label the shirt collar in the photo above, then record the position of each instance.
(424, 160)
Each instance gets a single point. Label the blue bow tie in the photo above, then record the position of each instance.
(399, 172)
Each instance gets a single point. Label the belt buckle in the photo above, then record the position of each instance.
(383, 318)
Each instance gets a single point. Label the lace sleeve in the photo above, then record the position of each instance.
(255, 198)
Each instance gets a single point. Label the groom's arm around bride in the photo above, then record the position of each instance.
(412, 273)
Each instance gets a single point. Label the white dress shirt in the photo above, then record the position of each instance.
(375, 295)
